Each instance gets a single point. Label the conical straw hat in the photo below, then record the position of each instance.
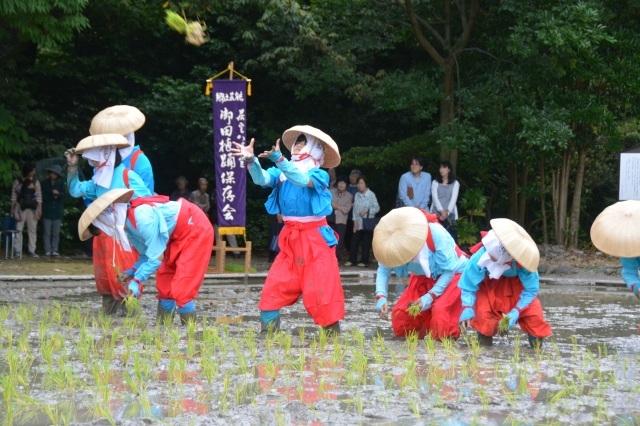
(517, 242)
(121, 119)
(120, 195)
(331, 152)
(97, 141)
(399, 236)
(616, 231)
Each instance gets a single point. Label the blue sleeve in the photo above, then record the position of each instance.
(442, 283)
(630, 267)
(402, 191)
(136, 183)
(153, 231)
(258, 174)
(86, 189)
(531, 283)
(446, 258)
(145, 171)
(471, 278)
(293, 174)
(382, 280)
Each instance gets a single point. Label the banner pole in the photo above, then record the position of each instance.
(231, 70)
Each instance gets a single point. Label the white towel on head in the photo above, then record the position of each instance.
(310, 157)
(422, 258)
(111, 221)
(125, 152)
(105, 156)
(495, 250)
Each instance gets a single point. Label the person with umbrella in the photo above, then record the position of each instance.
(53, 192)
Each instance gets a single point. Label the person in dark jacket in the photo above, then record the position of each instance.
(53, 192)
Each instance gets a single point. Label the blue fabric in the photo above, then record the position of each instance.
(293, 174)
(89, 190)
(154, 226)
(468, 298)
(427, 301)
(382, 280)
(467, 314)
(142, 167)
(473, 275)
(188, 307)
(630, 266)
(129, 272)
(421, 190)
(328, 235)
(259, 176)
(135, 289)
(168, 305)
(380, 303)
(513, 317)
(292, 200)
(268, 317)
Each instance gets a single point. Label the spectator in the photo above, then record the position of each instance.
(53, 192)
(444, 194)
(352, 188)
(342, 202)
(26, 206)
(332, 177)
(414, 189)
(365, 204)
(200, 197)
(182, 191)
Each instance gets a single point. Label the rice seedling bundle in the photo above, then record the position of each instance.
(414, 310)
(176, 21)
(503, 325)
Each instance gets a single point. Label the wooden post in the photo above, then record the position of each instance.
(231, 70)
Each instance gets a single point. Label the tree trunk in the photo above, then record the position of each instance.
(512, 210)
(560, 190)
(572, 242)
(543, 204)
(447, 110)
(522, 196)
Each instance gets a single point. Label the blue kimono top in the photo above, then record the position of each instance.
(142, 167)
(91, 191)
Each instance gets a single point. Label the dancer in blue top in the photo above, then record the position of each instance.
(125, 120)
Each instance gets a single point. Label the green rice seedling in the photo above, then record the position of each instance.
(415, 407)
(299, 366)
(25, 313)
(241, 359)
(414, 310)
(358, 401)
(281, 418)
(484, 397)
(313, 346)
(503, 325)
(429, 346)
(322, 339)
(105, 322)
(101, 411)
(132, 306)
(4, 312)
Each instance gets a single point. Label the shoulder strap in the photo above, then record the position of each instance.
(430, 243)
(134, 158)
(125, 177)
(150, 200)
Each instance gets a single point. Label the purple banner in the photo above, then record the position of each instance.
(229, 124)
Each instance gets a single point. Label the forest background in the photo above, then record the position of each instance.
(533, 101)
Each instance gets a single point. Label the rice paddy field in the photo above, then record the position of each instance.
(63, 362)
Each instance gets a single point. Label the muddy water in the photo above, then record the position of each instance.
(62, 362)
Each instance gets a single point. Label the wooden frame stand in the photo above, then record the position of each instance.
(221, 249)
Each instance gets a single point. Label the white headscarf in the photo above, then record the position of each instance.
(106, 158)
(111, 222)
(125, 152)
(422, 258)
(496, 250)
(310, 157)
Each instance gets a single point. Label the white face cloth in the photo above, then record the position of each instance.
(496, 250)
(125, 152)
(422, 258)
(111, 222)
(105, 156)
(310, 157)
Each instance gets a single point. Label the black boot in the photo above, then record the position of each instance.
(164, 315)
(109, 304)
(485, 340)
(535, 342)
(187, 317)
(270, 327)
(333, 328)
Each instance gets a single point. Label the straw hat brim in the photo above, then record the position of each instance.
(616, 231)
(121, 119)
(331, 152)
(517, 242)
(120, 195)
(399, 236)
(97, 141)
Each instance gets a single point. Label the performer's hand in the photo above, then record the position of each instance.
(124, 278)
(384, 312)
(71, 156)
(273, 149)
(463, 325)
(246, 152)
(417, 302)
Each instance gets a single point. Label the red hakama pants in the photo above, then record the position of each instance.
(305, 266)
(105, 252)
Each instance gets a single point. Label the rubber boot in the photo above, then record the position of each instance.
(535, 342)
(270, 327)
(333, 328)
(485, 340)
(109, 304)
(163, 314)
(185, 317)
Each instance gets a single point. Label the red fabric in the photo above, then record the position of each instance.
(496, 297)
(441, 320)
(125, 177)
(105, 273)
(149, 200)
(187, 256)
(305, 266)
(134, 158)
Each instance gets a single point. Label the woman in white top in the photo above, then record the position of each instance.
(444, 196)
